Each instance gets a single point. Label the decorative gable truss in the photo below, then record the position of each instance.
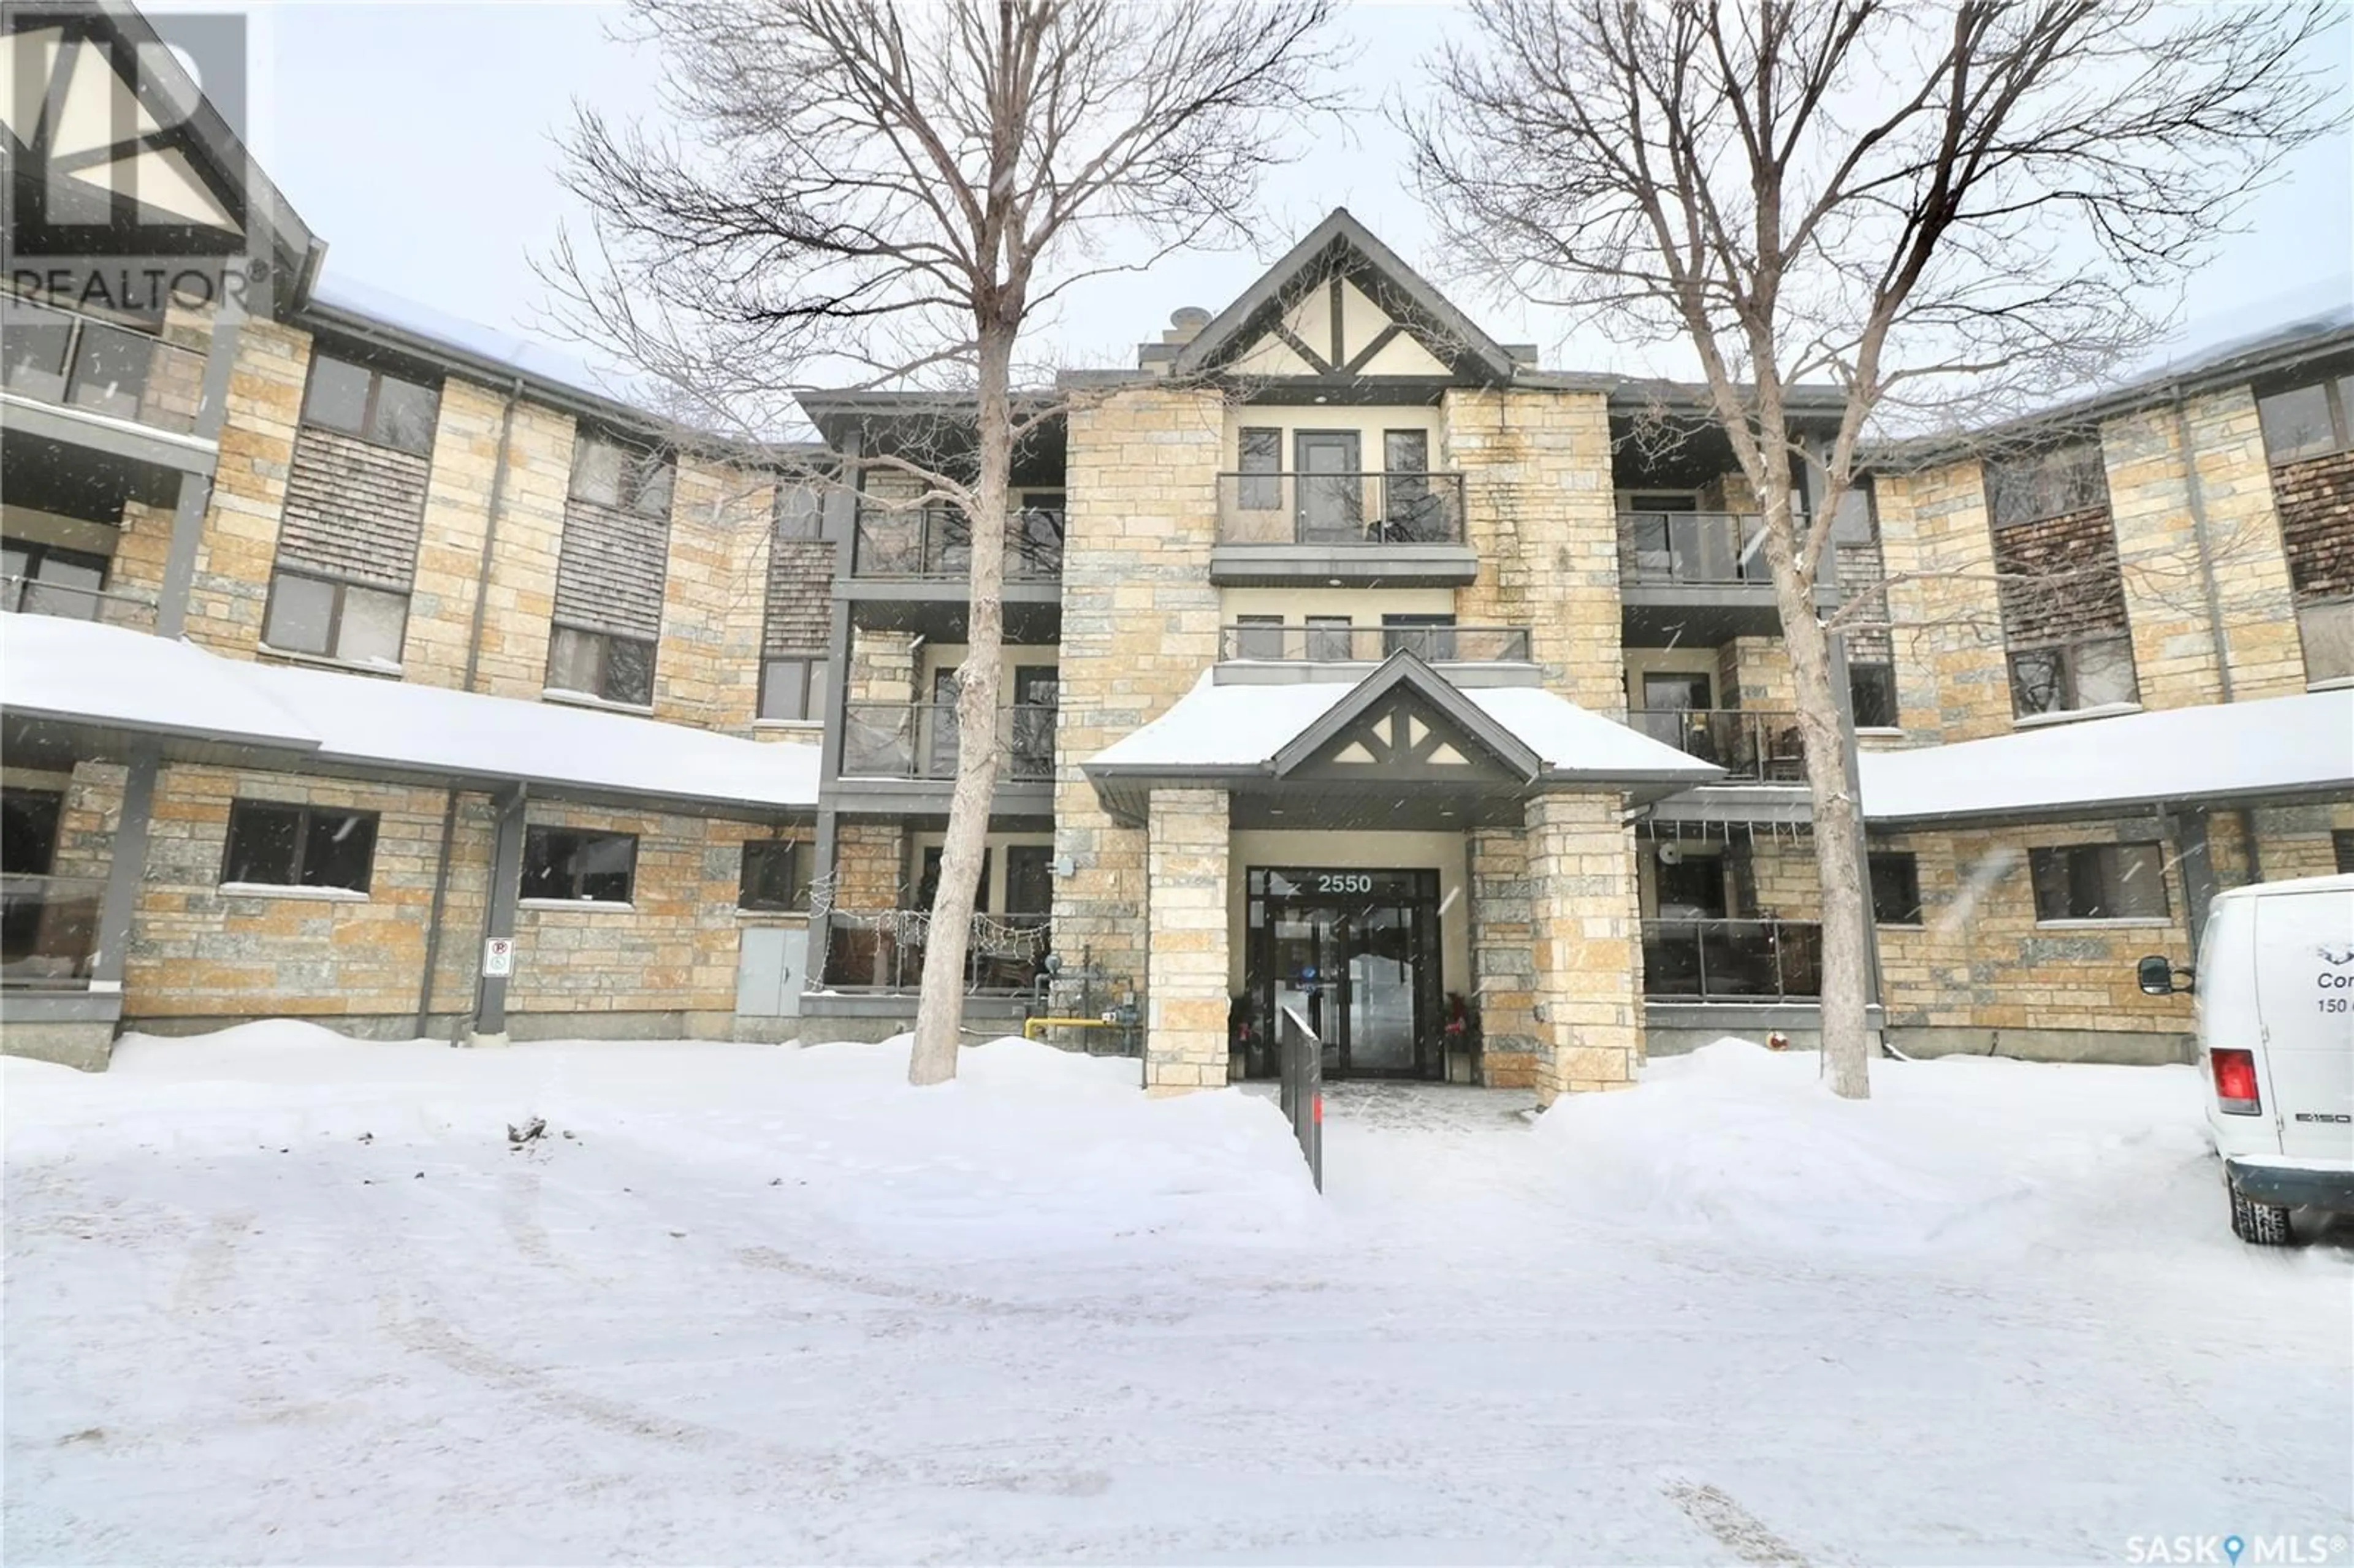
(1341, 307)
(1403, 724)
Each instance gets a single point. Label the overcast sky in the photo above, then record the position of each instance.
(415, 139)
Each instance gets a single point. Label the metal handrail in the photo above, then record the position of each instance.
(1394, 506)
(80, 361)
(1371, 644)
(1752, 745)
(1301, 1092)
(935, 542)
(108, 605)
(1716, 960)
(920, 741)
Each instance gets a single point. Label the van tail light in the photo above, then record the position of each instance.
(2235, 1082)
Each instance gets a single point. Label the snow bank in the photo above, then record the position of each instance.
(1031, 1149)
(1739, 1145)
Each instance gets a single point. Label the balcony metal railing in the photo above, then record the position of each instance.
(1399, 507)
(881, 952)
(1719, 547)
(1732, 960)
(72, 601)
(1752, 745)
(919, 740)
(80, 362)
(48, 930)
(1371, 644)
(936, 543)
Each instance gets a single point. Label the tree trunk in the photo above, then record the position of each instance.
(939, 1010)
(1839, 857)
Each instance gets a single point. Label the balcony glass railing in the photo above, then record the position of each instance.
(1371, 644)
(1753, 745)
(936, 542)
(73, 601)
(919, 740)
(1732, 960)
(1405, 508)
(48, 930)
(882, 952)
(1721, 547)
(80, 362)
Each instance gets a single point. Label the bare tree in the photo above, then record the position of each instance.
(1945, 211)
(873, 195)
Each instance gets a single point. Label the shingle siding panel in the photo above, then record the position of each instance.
(2316, 499)
(801, 596)
(353, 509)
(2061, 579)
(1861, 571)
(608, 572)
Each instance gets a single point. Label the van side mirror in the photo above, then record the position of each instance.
(2156, 976)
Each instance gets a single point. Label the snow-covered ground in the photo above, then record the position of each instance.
(274, 1296)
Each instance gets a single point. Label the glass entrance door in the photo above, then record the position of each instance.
(1356, 953)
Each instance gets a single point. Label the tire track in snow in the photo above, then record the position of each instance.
(950, 1300)
(1742, 1533)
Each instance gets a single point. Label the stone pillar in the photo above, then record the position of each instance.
(1186, 964)
(1589, 971)
(1503, 967)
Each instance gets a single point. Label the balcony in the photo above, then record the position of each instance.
(48, 931)
(881, 952)
(76, 361)
(920, 741)
(1253, 654)
(1753, 745)
(1398, 528)
(1721, 549)
(934, 544)
(72, 595)
(1732, 960)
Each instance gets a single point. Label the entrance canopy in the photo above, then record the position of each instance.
(1402, 749)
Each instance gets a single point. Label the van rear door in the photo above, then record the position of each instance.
(2304, 999)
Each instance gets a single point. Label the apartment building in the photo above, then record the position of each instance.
(369, 668)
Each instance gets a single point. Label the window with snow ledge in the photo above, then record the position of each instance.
(2099, 882)
(601, 666)
(324, 851)
(577, 866)
(345, 622)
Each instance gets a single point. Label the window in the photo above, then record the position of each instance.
(299, 846)
(793, 689)
(598, 665)
(1259, 455)
(376, 406)
(1871, 689)
(773, 877)
(928, 885)
(1675, 691)
(28, 830)
(607, 473)
(1258, 637)
(335, 621)
(1691, 888)
(1029, 881)
(2099, 882)
(798, 513)
(576, 866)
(2341, 843)
(45, 581)
(1895, 887)
(2327, 630)
(2073, 676)
(1330, 637)
(1429, 638)
(2050, 484)
(2309, 422)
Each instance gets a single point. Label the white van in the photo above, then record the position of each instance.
(2276, 994)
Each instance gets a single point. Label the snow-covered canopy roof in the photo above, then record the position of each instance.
(1401, 740)
(110, 680)
(2274, 748)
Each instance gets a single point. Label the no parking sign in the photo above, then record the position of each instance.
(498, 957)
